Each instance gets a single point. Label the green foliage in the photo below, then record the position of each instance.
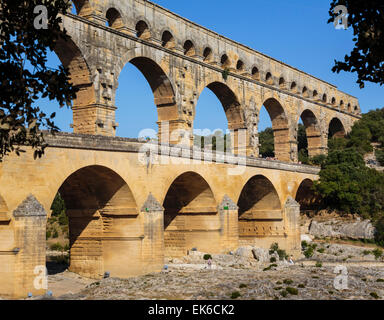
(55, 234)
(235, 295)
(379, 231)
(301, 286)
(284, 293)
(58, 206)
(225, 74)
(321, 250)
(318, 264)
(63, 219)
(288, 281)
(318, 160)
(366, 58)
(308, 253)
(292, 291)
(347, 185)
(380, 156)
(273, 265)
(266, 139)
(207, 257)
(56, 247)
(274, 247)
(378, 253)
(25, 77)
(374, 295)
(272, 260)
(243, 285)
(48, 234)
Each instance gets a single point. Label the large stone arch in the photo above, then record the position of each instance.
(161, 82)
(280, 126)
(260, 213)
(191, 217)
(313, 132)
(232, 108)
(101, 210)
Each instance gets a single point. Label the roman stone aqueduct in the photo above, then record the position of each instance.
(126, 215)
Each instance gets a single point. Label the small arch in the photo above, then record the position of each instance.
(114, 19)
(240, 65)
(333, 101)
(167, 40)
(269, 78)
(281, 83)
(341, 104)
(305, 92)
(280, 129)
(293, 86)
(189, 48)
(207, 54)
(229, 102)
(224, 61)
(313, 132)
(349, 107)
(142, 30)
(356, 109)
(324, 98)
(315, 94)
(255, 73)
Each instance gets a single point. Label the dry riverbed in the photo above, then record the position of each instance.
(244, 274)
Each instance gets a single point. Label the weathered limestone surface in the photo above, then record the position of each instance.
(179, 59)
(339, 229)
(130, 204)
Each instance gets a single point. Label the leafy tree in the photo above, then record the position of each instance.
(266, 140)
(25, 76)
(380, 156)
(346, 183)
(58, 205)
(367, 57)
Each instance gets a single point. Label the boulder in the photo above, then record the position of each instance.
(261, 255)
(341, 229)
(245, 252)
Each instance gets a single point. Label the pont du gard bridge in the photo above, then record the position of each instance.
(130, 205)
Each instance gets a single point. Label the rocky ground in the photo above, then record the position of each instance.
(245, 274)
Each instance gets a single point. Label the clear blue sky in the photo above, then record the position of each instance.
(295, 32)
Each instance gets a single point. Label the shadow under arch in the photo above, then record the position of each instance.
(336, 129)
(260, 213)
(313, 133)
(280, 127)
(191, 219)
(307, 198)
(99, 203)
